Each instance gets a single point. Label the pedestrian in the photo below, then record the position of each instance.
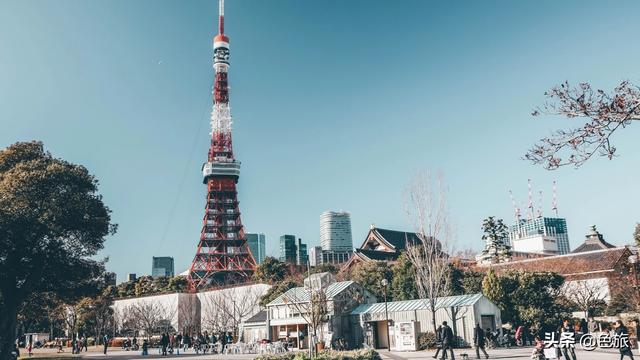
(30, 348)
(623, 339)
(105, 340)
(185, 342)
(584, 327)
(164, 342)
(178, 343)
(59, 345)
(145, 347)
(447, 340)
(593, 325)
(85, 344)
(636, 328)
(568, 350)
(478, 341)
(438, 341)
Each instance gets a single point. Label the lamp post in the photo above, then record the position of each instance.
(385, 283)
(633, 260)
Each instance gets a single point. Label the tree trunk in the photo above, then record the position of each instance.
(433, 322)
(8, 322)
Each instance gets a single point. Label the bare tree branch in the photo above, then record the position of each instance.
(604, 114)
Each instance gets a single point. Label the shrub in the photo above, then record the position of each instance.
(325, 355)
(426, 340)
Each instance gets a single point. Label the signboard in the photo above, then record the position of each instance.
(406, 335)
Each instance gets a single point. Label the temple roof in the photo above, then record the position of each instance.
(593, 241)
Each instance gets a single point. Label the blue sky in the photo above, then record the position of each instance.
(336, 105)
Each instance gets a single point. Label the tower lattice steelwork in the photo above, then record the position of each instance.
(223, 256)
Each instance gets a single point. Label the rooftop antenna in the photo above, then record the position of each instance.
(530, 206)
(554, 203)
(516, 209)
(540, 205)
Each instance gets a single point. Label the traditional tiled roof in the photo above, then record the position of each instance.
(378, 255)
(301, 294)
(398, 239)
(572, 264)
(419, 304)
(593, 241)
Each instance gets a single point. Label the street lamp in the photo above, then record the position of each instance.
(633, 259)
(384, 283)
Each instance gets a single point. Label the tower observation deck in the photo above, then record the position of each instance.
(222, 256)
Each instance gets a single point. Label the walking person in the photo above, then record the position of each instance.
(164, 342)
(623, 337)
(145, 347)
(636, 327)
(478, 341)
(178, 343)
(85, 344)
(447, 340)
(30, 348)
(568, 351)
(439, 342)
(105, 340)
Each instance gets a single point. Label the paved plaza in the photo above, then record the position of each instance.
(513, 353)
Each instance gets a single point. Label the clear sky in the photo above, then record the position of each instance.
(336, 105)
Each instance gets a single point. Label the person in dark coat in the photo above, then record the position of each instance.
(105, 340)
(164, 342)
(568, 353)
(478, 341)
(438, 341)
(447, 340)
(623, 336)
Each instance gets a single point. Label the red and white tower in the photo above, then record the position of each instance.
(223, 256)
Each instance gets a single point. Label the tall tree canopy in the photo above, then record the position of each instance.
(270, 271)
(496, 238)
(370, 274)
(52, 221)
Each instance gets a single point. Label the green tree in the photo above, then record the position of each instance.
(369, 274)
(52, 223)
(277, 290)
(472, 281)
(326, 267)
(455, 278)
(636, 234)
(403, 284)
(271, 271)
(178, 284)
(495, 237)
(492, 288)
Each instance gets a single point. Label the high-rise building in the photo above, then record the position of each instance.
(256, 244)
(302, 256)
(335, 231)
(293, 251)
(288, 251)
(222, 255)
(162, 266)
(110, 278)
(132, 277)
(318, 257)
(549, 228)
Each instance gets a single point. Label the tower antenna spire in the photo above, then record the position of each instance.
(221, 17)
(540, 205)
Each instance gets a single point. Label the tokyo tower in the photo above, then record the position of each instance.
(223, 256)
